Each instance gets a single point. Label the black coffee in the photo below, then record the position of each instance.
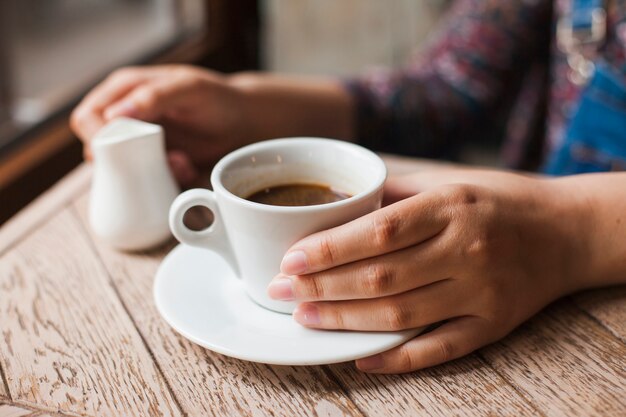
(297, 195)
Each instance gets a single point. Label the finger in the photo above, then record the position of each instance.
(420, 307)
(153, 99)
(405, 223)
(88, 117)
(118, 84)
(85, 122)
(87, 154)
(454, 339)
(182, 167)
(385, 275)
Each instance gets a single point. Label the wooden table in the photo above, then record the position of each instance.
(80, 335)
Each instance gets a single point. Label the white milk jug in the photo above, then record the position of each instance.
(132, 187)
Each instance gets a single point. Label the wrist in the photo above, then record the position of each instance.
(245, 86)
(595, 228)
(280, 106)
(571, 212)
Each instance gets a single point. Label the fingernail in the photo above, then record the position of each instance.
(281, 289)
(126, 108)
(370, 363)
(307, 315)
(294, 263)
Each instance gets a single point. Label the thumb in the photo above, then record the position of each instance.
(454, 339)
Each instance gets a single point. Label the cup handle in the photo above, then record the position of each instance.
(213, 237)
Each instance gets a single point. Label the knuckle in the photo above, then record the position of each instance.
(378, 280)
(397, 317)
(335, 317)
(465, 194)
(180, 68)
(404, 360)
(184, 72)
(444, 349)
(122, 73)
(328, 250)
(148, 96)
(76, 119)
(461, 194)
(386, 230)
(480, 250)
(244, 79)
(310, 288)
(193, 81)
(79, 121)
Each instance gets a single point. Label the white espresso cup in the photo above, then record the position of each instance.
(254, 237)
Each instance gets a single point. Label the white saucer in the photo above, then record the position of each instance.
(196, 293)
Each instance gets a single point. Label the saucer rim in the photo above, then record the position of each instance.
(404, 335)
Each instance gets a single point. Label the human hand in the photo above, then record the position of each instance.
(479, 251)
(200, 112)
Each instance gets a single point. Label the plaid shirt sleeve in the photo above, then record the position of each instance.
(451, 87)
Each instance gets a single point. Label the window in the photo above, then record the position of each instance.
(53, 50)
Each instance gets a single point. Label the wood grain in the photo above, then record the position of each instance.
(4, 393)
(7, 410)
(66, 341)
(207, 383)
(565, 363)
(44, 206)
(68, 344)
(466, 387)
(608, 306)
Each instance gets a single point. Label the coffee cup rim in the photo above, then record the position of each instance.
(272, 143)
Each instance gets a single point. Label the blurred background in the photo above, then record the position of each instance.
(53, 51)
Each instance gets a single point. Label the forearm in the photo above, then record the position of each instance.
(280, 106)
(601, 225)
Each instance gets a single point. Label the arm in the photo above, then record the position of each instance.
(453, 85)
(206, 114)
(282, 106)
(602, 229)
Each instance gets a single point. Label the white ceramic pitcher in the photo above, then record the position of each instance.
(132, 187)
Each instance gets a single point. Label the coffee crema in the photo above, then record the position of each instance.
(297, 194)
